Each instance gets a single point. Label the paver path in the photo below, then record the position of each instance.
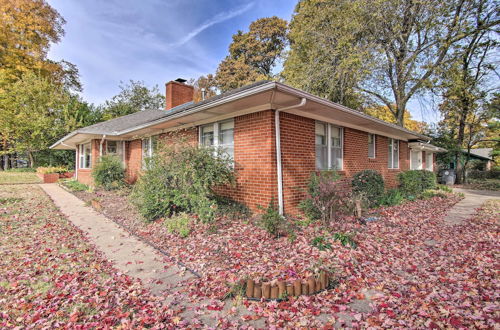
(465, 209)
(130, 255)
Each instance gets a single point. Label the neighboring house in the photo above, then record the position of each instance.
(276, 134)
(482, 155)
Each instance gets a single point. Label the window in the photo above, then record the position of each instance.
(429, 161)
(329, 143)
(149, 145)
(371, 145)
(219, 135)
(114, 147)
(321, 147)
(85, 153)
(393, 153)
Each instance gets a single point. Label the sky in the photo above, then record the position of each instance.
(156, 41)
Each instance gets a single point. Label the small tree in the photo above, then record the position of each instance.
(181, 178)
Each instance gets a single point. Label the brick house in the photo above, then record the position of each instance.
(276, 134)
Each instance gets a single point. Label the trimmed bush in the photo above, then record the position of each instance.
(370, 185)
(272, 221)
(328, 197)
(392, 197)
(182, 179)
(414, 182)
(109, 173)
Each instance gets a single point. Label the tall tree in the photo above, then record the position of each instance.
(133, 97)
(403, 43)
(382, 112)
(204, 87)
(253, 54)
(27, 29)
(468, 86)
(327, 56)
(35, 105)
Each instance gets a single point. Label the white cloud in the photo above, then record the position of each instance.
(219, 18)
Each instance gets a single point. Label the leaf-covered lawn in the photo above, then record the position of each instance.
(424, 273)
(51, 277)
(18, 177)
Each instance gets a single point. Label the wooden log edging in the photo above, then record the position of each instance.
(280, 290)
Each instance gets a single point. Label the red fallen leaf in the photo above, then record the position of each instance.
(14, 284)
(214, 308)
(73, 317)
(455, 321)
(102, 293)
(390, 313)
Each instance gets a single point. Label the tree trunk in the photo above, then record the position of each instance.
(31, 160)
(6, 162)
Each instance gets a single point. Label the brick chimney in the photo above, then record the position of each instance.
(177, 93)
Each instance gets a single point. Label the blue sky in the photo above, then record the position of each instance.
(152, 40)
(159, 40)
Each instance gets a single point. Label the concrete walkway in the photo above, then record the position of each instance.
(466, 208)
(130, 255)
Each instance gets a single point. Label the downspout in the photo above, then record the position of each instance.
(278, 150)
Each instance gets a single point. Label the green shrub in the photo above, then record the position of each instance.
(51, 169)
(392, 197)
(370, 185)
(74, 185)
(345, 239)
(327, 197)
(272, 221)
(179, 224)
(182, 178)
(444, 188)
(321, 243)
(109, 173)
(414, 182)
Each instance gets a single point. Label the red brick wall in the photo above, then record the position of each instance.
(133, 160)
(298, 158)
(255, 160)
(356, 156)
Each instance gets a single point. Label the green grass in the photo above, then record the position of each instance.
(18, 177)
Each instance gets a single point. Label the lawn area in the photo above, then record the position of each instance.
(425, 274)
(51, 277)
(7, 177)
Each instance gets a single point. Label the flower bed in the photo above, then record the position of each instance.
(240, 250)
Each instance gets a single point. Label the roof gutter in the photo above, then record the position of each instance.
(278, 150)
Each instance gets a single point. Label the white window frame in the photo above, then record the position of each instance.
(150, 151)
(82, 156)
(329, 145)
(216, 129)
(427, 154)
(391, 164)
(374, 139)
